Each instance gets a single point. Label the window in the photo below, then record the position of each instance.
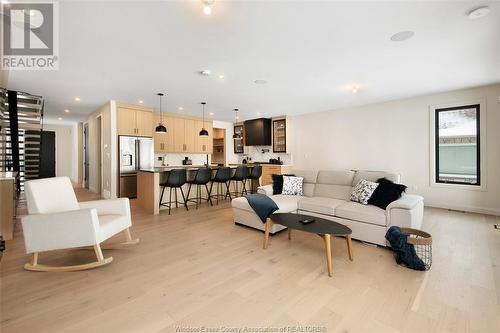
(457, 145)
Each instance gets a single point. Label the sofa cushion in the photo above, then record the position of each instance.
(373, 176)
(292, 185)
(319, 205)
(385, 193)
(363, 191)
(336, 184)
(364, 213)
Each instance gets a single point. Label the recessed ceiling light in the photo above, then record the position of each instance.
(180, 108)
(141, 101)
(77, 99)
(402, 36)
(260, 81)
(207, 9)
(206, 72)
(59, 118)
(354, 89)
(66, 110)
(478, 12)
(221, 76)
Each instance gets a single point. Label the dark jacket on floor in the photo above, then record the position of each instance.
(405, 253)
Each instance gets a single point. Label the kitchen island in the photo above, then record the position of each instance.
(149, 180)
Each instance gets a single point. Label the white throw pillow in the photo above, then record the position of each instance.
(292, 185)
(363, 191)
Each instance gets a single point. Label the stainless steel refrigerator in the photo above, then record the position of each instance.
(135, 154)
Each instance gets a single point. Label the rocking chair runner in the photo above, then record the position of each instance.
(57, 221)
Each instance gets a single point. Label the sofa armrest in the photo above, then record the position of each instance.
(119, 206)
(266, 189)
(407, 201)
(406, 212)
(46, 232)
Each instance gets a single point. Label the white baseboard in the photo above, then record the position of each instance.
(470, 209)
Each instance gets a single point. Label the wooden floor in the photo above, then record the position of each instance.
(196, 268)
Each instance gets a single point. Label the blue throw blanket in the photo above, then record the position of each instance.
(262, 205)
(405, 253)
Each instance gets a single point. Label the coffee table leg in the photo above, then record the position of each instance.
(328, 249)
(268, 226)
(289, 234)
(349, 246)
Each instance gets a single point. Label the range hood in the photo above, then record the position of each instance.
(258, 132)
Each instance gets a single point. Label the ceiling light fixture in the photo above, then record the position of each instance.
(207, 9)
(59, 118)
(478, 12)
(203, 131)
(160, 128)
(77, 99)
(354, 89)
(141, 101)
(236, 136)
(221, 76)
(402, 36)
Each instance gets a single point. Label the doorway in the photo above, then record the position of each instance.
(86, 155)
(47, 154)
(98, 187)
(219, 146)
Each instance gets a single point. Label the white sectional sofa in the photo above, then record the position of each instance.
(327, 194)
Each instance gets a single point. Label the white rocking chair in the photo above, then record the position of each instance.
(58, 221)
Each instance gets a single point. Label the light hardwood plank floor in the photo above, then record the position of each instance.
(197, 269)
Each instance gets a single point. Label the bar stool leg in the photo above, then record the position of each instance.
(184, 199)
(209, 196)
(161, 197)
(244, 188)
(228, 191)
(170, 201)
(189, 191)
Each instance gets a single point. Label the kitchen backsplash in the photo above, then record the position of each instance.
(256, 154)
(176, 159)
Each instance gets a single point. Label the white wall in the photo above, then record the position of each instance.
(109, 184)
(395, 136)
(66, 149)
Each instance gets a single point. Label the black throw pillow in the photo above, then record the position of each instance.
(385, 193)
(278, 183)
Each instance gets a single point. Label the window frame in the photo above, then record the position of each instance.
(481, 151)
(478, 143)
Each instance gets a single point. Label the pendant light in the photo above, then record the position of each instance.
(203, 131)
(236, 135)
(160, 128)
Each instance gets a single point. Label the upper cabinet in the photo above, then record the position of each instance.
(239, 143)
(134, 121)
(281, 128)
(183, 136)
(164, 142)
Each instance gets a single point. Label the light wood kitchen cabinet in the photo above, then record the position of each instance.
(134, 121)
(203, 144)
(183, 135)
(164, 142)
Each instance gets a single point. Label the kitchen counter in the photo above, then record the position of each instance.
(7, 203)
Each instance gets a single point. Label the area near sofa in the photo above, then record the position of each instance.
(326, 195)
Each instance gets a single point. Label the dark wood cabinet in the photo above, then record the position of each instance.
(258, 132)
(239, 143)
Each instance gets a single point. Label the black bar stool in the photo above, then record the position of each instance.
(255, 174)
(175, 179)
(240, 175)
(202, 177)
(222, 176)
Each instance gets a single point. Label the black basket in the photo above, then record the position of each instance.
(422, 242)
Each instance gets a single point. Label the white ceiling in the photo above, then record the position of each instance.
(309, 52)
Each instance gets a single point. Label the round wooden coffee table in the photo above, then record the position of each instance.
(322, 227)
